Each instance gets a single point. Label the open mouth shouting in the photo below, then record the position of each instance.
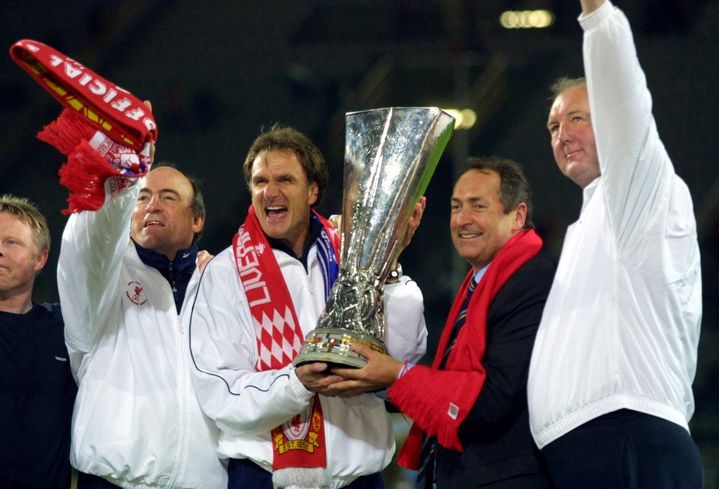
(275, 212)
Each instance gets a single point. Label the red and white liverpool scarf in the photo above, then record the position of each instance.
(300, 442)
(104, 131)
(105, 106)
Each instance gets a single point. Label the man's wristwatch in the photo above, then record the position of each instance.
(394, 275)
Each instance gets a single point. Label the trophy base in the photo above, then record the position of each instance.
(333, 346)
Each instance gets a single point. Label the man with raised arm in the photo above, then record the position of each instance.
(609, 390)
(123, 275)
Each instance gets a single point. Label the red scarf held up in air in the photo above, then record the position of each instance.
(448, 395)
(104, 131)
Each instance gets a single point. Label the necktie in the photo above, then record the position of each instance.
(425, 475)
(458, 323)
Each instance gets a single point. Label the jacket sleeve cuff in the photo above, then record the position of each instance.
(296, 387)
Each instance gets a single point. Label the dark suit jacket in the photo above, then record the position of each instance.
(495, 434)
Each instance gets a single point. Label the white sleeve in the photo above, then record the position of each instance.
(405, 327)
(222, 345)
(88, 271)
(633, 161)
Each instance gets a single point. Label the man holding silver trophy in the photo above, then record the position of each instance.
(471, 425)
(256, 302)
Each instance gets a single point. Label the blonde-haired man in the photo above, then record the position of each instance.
(37, 391)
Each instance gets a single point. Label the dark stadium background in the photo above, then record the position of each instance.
(217, 72)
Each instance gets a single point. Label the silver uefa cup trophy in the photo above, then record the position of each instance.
(390, 156)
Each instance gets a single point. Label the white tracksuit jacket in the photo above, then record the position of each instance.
(246, 404)
(137, 421)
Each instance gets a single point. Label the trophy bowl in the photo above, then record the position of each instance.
(390, 157)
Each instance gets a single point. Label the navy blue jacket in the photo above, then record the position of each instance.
(496, 437)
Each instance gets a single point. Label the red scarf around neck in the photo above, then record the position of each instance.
(300, 442)
(449, 395)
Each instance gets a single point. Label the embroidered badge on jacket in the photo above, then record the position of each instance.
(136, 293)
